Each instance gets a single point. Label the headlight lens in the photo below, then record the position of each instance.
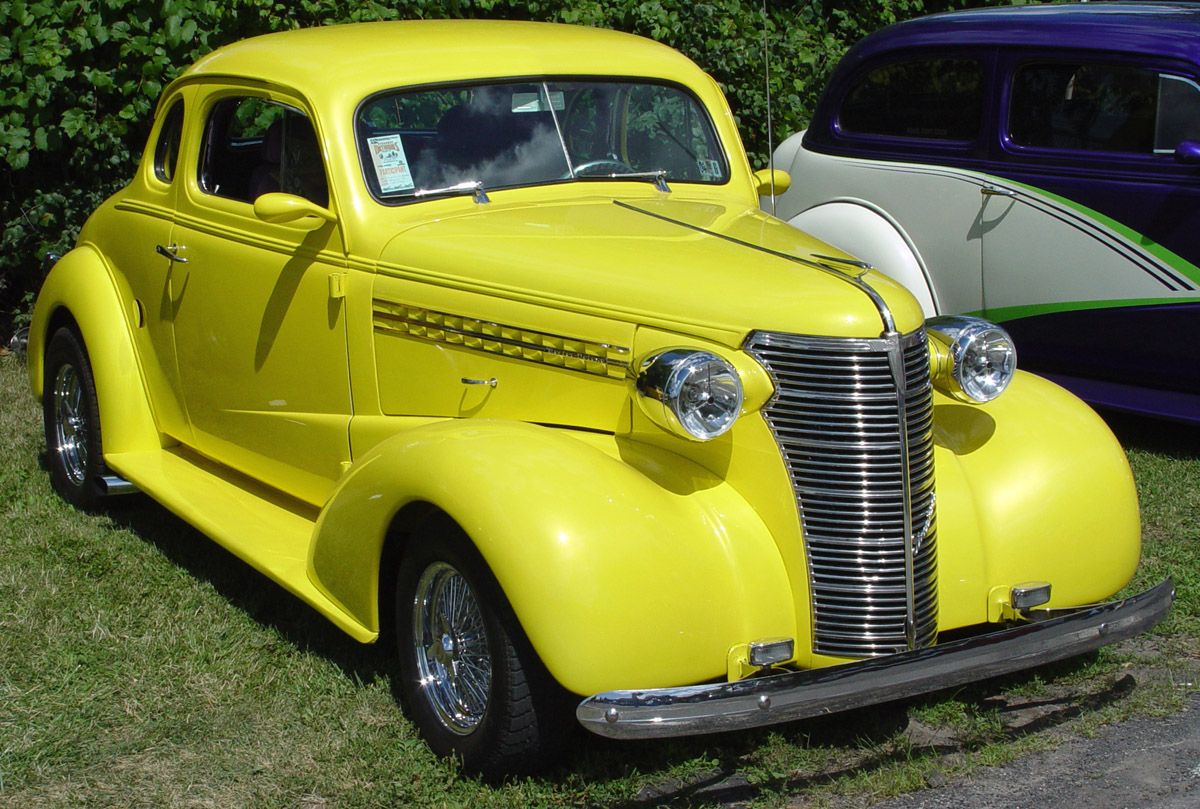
(981, 356)
(700, 393)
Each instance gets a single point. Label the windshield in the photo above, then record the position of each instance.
(459, 139)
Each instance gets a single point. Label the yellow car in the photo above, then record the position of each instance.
(472, 335)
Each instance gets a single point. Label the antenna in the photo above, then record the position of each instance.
(767, 72)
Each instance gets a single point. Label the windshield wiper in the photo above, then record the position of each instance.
(472, 187)
(658, 177)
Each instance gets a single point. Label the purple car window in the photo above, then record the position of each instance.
(1178, 113)
(1079, 106)
(937, 99)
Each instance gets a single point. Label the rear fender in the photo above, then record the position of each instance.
(867, 231)
(81, 289)
(624, 564)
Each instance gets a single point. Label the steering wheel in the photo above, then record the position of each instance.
(608, 165)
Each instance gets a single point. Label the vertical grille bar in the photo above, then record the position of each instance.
(854, 421)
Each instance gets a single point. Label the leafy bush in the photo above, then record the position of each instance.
(79, 80)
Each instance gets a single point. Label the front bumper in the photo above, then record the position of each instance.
(697, 709)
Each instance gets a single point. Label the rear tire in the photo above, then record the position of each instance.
(475, 688)
(71, 416)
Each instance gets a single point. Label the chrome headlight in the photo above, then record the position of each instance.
(979, 354)
(692, 393)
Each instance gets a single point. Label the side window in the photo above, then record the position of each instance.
(254, 147)
(933, 99)
(1178, 113)
(1080, 106)
(166, 151)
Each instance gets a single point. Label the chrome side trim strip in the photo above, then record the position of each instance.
(697, 709)
(570, 353)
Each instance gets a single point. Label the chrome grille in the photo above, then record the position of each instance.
(859, 449)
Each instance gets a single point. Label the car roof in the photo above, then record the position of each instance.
(360, 58)
(1167, 29)
(1170, 30)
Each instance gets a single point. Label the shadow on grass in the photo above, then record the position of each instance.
(245, 588)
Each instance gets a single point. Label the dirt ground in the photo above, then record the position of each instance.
(1147, 763)
(1150, 762)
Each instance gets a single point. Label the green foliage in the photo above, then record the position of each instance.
(79, 80)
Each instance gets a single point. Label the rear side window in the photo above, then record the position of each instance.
(1102, 107)
(166, 151)
(932, 99)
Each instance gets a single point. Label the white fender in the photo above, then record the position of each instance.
(866, 231)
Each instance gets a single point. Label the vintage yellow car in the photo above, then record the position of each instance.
(472, 335)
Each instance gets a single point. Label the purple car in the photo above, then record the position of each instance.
(1038, 166)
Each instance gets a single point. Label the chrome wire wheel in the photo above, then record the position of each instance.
(71, 426)
(451, 648)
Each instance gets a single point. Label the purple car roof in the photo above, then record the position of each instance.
(1169, 30)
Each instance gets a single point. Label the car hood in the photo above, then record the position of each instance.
(694, 267)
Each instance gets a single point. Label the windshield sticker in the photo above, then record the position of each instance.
(709, 169)
(391, 166)
(536, 102)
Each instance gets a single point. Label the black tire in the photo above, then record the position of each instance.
(474, 686)
(72, 419)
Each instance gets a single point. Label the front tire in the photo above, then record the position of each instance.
(71, 416)
(474, 686)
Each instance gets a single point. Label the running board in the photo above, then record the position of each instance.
(265, 528)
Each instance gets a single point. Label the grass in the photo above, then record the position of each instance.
(142, 665)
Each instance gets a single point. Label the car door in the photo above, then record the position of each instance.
(145, 215)
(259, 323)
(1089, 256)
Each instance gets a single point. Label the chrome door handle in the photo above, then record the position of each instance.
(993, 191)
(170, 251)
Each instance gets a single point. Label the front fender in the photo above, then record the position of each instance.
(81, 284)
(625, 564)
(1032, 486)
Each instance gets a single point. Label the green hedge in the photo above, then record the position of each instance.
(79, 80)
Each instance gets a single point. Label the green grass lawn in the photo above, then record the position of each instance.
(143, 666)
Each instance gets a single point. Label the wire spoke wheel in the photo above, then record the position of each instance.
(71, 427)
(71, 413)
(453, 662)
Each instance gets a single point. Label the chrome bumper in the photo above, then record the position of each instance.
(696, 709)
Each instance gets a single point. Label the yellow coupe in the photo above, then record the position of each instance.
(472, 335)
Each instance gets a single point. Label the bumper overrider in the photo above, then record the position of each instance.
(769, 700)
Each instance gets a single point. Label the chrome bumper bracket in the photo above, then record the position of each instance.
(698, 709)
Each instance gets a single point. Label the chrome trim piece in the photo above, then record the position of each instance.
(862, 265)
(113, 485)
(885, 313)
(570, 353)
(853, 418)
(48, 261)
(1030, 594)
(696, 709)
(171, 251)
